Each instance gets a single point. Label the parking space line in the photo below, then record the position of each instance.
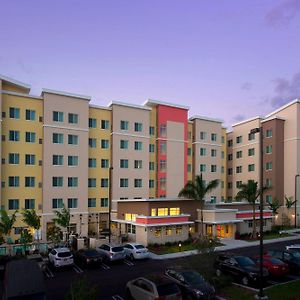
(48, 273)
(104, 266)
(117, 297)
(77, 269)
(129, 263)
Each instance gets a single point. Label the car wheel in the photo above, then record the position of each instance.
(218, 272)
(128, 295)
(245, 280)
(131, 256)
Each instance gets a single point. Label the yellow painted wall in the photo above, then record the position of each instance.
(13, 88)
(152, 156)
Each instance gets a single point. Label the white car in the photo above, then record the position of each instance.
(136, 251)
(61, 257)
(293, 247)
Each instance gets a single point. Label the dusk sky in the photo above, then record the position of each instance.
(230, 60)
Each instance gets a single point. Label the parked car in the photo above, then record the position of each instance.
(151, 288)
(42, 262)
(290, 257)
(88, 257)
(191, 284)
(275, 266)
(241, 268)
(112, 252)
(293, 247)
(60, 257)
(136, 251)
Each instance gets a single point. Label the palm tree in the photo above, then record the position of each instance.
(7, 222)
(197, 190)
(62, 219)
(274, 206)
(250, 192)
(289, 202)
(31, 218)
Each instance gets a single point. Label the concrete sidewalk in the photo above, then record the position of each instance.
(228, 244)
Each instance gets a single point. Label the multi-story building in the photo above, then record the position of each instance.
(132, 160)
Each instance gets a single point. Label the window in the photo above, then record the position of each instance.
(30, 115)
(13, 204)
(151, 183)
(229, 185)
(162, 165)
(58, 116)
(239, 169)
(213, 152)
(178, 229)
(104, 202)
(269, 166)
(222, 154)
(151, 166)
(13, 158)
(157, 232)
(222, 184)
(57, 160)
(104, 124)
(251, 136)
(151, 130)
(269, 182)
(202, 151)
(57, 203)
(91, 202)
(124, 125)
(13, 181)
(202, 135)
(213, 168)
(229, 171)
(138, 127)
(214, 137)
(72, 160)
(138, 183)
(168, 231)
(269, 133)
(92, 123)
(213, 199)
(104, 163)
(138, 164)
(250, 224)
(72, 181)
(162, 211)
(123, 144)
(73, 118)
(163, 182)
(151, 148)
(30, 137)
(222, 169)
(123, 182)
(57, 181)
(202, 168)
(92, 182)
(29, 181)
(230, 156)
(92, 142)
(14, 113)
(153, 212)
(123, 163)
(138, 145)
(104, 144)
(58, 138)
(223, 139)
(174, 211)
(269, 198)
(29, 204)
(189, 168)
(104, 182)
(189, 151)
(251, 152)
(163, 147)
(163, 130)
(72, 139)
(190, 135)
(239, 154)
(239, 139)
(269, 149)
(72, 202)
(251, 168)
(92, 163)
(14, 135)
(238, 184)
(29, 159)
(229, 143)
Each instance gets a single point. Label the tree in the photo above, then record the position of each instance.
(32, 220)
(53, 234)
(197, 190)
(7, 222)
(274, 206)
(63, 219)
(250, 192)
(25, 239)
(289, 202)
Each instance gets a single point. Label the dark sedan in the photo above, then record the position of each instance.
(191, 284)
(88, 257)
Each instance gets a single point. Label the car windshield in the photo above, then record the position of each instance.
(139, 247)
(64, 254)
(244, 261)
(192, 277)
(91, 252)
(167, 289)
(117, 249)
(275, 261)
(296, 254)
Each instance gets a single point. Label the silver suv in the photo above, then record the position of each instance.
(112, 252)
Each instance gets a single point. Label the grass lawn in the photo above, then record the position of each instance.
(268, 236)
(237, 293)
(289, 291)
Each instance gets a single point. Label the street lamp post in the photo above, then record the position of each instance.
(296, 176)
(261, 295)
(109, 203)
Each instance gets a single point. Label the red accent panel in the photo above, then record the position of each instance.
(250, 215)
(174, 114)
(161, 220)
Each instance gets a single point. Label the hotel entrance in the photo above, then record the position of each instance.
(220, 230)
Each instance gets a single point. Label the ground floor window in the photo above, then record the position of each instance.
(169, 230)
(250, 224)
(157, 232)
(130, 228)
(178, 229)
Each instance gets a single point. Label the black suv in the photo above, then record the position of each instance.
(241, 268)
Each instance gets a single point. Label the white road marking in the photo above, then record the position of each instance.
(129, 263)
(117, 297)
